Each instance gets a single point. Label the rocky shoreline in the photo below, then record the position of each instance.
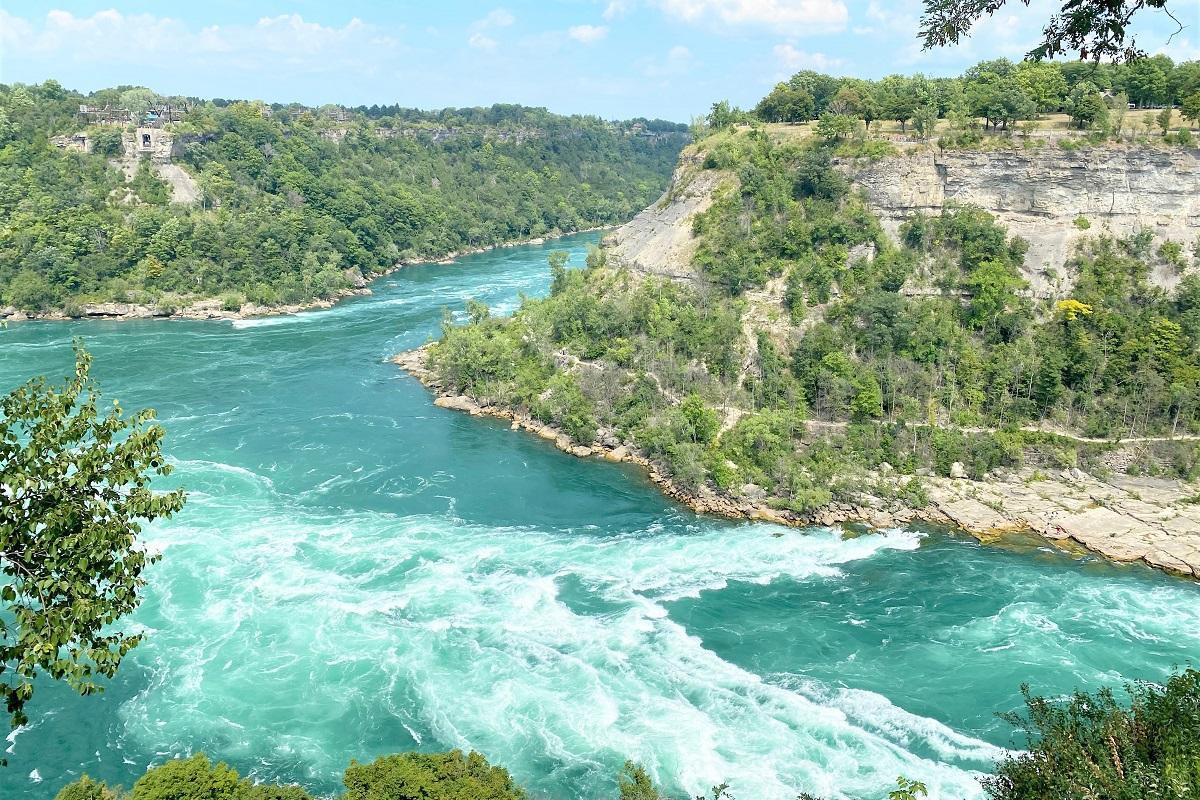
(1124, 519)
(213, 308)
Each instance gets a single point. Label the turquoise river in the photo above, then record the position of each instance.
(358, 572)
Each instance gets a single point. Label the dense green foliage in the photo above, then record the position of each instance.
(75, 486)
(998, 92)
(408, 776)
(969, 345)
(1093, 746)
(295, 201)
(436, 776)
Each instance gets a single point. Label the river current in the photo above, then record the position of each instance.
(358, 572)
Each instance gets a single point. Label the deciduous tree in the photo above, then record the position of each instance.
(75, 485)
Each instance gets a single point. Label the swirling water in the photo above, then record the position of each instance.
(358, 572)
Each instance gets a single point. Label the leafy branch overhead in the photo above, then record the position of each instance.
(1096, 29)
(75, 482)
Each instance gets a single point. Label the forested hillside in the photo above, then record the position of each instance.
(293, 201)
(808, 349)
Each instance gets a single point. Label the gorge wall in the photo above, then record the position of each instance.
(1036, 194)
(1039, 194)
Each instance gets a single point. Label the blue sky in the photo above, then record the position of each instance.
(616, 58)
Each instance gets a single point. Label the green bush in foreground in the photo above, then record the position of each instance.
(430, 776)
(1093, 747)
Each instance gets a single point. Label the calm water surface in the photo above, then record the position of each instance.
(358, 572)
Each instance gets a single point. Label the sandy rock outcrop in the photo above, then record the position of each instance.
(1124, 518)
(659, 240)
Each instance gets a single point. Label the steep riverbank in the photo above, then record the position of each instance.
(214, 308)
(1123, 518)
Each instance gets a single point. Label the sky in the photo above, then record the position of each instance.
(615, 58)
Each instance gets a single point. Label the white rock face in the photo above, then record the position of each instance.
(1038, 194)
(659, 239)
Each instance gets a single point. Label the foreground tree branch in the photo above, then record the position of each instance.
(75, 491)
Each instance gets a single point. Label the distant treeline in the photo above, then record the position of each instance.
(997, 91)
(294, 201)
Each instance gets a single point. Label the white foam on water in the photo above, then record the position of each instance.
(311, 632)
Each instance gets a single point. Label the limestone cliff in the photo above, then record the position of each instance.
(1037, 194)
(659, 239)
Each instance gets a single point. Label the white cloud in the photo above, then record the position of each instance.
(587, 34)
(496, 18)
(786, 16)
(481, 42)
(616, 8)
(1181, 48)
(792, 59)
(111, 36)
(480, 28)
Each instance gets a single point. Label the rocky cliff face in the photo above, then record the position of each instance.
(659, 239)
(1039, 194)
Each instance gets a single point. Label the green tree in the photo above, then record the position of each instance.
(138, 101)
(1086, 107)
(76, 487)
(925, 120)
(998, 99)
(896, 98)
(699, 423)
(107, 141)
(1190, 108)
(1147, 83)
(722, 115)
(1094, 746)
(1164, 120)
(430, 776)
(1043, 83)
(86, 789)
(634, 784)
(786, 103)
(558, 270)
(194, 778)
(834, 127)
(868, 398)
(30, 291)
